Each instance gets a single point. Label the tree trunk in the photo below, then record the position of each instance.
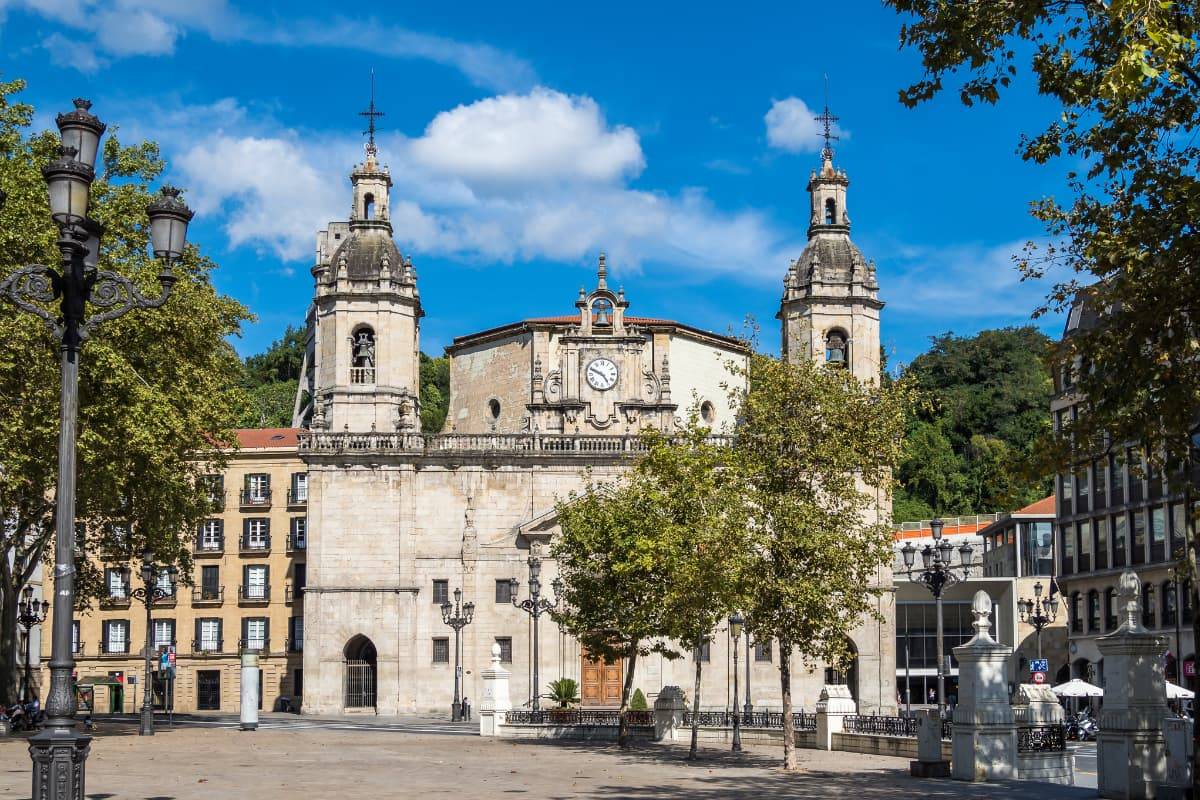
(10, 661)
(785, 686)
(692, 751)
(623, 737)
(1194, 599)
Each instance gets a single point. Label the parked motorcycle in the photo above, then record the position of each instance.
(1081, 727)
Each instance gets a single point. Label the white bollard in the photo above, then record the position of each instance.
(249, 717)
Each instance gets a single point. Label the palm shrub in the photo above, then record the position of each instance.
(564, 691)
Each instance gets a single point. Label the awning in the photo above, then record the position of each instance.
(1077, 688)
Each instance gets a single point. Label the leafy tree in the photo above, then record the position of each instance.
(814, 452)
(157, 387)
(638, 702)
(268, 405)
(435, 392)
(282, 361)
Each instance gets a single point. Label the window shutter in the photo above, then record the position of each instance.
(197, 645)
(267, 580)
(267, 482)
(245, 577)
(266, 633)
(246, 482)
(245, 629)
(221, 634)
(171, 630)
(104, 637)
(245, 531)
(267, 526)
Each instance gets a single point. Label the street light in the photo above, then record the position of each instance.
(457, 616)
(1038, 612)
(149, 593)
(535, 606)
(735, 633)
(936, 574)
(30, 613)
(60, 751)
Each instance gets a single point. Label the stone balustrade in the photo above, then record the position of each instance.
(479, 444)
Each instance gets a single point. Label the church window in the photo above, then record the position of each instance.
(503, 591)
(362, 356)
(602, 313)
(830, 211)
(369, 206)
(494, 408)
(505, 643)
(835, 348)
(708, 413)
(441, 650)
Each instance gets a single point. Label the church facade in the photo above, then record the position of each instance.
(400, 518)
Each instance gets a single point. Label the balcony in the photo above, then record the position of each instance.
(298, 498)
(362, 375)
(251, 498)
(210, 547)
(260, 544)
(254, 645)
(216, 500)
(293, 594)
(212, 596)
(77, 649)
(297, 542)
(114, 650)
(169, 601)
(254, 595)
(206, 647)
(120, 600)
(293, 645)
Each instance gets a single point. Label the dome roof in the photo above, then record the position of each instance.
(364, 252)
(837, 258)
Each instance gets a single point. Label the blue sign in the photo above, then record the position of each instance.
(1039, 665)
(164, 661)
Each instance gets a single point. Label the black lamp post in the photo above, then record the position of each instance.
(936, 574)
(30, 613)
(748, 709)
(1038, 612)
(149, 593)
(735, 635)
(535, 606)
(457, 616)
(60, 751)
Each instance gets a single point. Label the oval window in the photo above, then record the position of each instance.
(707, 412)
(494, 408)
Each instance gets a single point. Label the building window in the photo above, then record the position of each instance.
(258, 489)
(214, 487)
(1085, 546)
(256, 533)
(368, 206)
(1076, 612)
(165, 583)
(1110, 608)
(494, 408)
(164, 632)
(208, 635)
(503, 591)
(702, 653)
(116, 636)
(708, 412)
(441, 592)
(1168, 603)
(254, 633)
(1158, 533)
(1139, 537)
(299, 490)
(1066, 541)
(75, 644)
(1101, 528)
(255, 583)
(505, 643)
(296, 635)
(362, 361)
(835, 348)
(210, 582)
(1067, 484)
(441, 650)
(1149, 601)
(212, 536)
(298, 536)
(1120, 540)
(1188, 610)
(830, 211)
(118, 584)
(762, 651)
(1093, 611)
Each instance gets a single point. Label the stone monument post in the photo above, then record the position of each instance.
(668, 713)
(249, 715)
(495, 702)
(833, 706)
(929, 763)
(1039, 717)
(1131, 752)
(984, 737)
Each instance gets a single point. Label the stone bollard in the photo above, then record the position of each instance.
(668, 713)
(1130, 751)
(249, 715)
(833, 706)
(495, 703)
(929, 763)
(1039, 717)
(984, 737)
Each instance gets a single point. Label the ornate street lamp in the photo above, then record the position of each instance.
(149, 593)
(59, 751)
(30, 613)
(936, 574)
(735, 635)
(535, 606)
(1038, 612)
(457, 616)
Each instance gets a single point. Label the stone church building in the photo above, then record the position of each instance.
(400, 518)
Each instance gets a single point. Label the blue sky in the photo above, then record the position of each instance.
(524, 138)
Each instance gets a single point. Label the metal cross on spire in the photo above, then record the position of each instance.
(371, 114)
(827, 121)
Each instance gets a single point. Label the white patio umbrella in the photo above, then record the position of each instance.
(1077, 688)
(1175, 692)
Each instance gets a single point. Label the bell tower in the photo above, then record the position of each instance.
(830, 306)
(364, 323)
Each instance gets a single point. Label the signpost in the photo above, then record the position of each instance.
(1038, 667)
(1039, 677)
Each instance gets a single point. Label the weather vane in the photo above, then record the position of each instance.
(827, 121)
(371, 114)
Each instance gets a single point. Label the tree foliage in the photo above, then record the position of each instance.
(157, 388)
(970, 443)
(815, 450)
(435, 392)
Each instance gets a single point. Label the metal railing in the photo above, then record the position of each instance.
(116, 601)
(581, 717)
(476, 443)
(755, 719)
(168, 600)
(260, 545)
(296, 498)
(207, 645)
(293, 593)
(293, 645)
(205, 597)
(254, 594)
(254, 645)
(256, 498)
(214, 547)
(880, 726)
(110, 649)
(217, 500)
(1042, 739)
(295, 543)
(947, 730)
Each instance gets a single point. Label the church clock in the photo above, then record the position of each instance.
(601, 374)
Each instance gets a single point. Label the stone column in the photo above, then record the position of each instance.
(929, 763)
(984, 738)
(668, 713)
(1037, 707)
(249, 714)
(1131, 753)
(833, 706)
(494, 703)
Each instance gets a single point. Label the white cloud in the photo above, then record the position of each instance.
(792, 126)
(120, 28)
(65, 52)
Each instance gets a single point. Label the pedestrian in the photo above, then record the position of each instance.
(932, 696)
(466, 709)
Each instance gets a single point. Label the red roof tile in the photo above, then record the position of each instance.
(1045, 507)
(262, 438)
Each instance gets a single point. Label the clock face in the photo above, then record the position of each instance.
(601, 374)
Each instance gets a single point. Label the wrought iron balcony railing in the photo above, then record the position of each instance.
(259, 544)
(297, 498)
(210, 596)
(293, 594)
(254, 645)
(214, 547)
(121, 600)
(293, 645)
(255, 498)
(297, 542)
(254, 594)
(207, 646)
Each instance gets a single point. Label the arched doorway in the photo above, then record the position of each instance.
(361, 673)
(847, 674)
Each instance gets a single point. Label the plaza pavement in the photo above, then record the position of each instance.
(404, 759)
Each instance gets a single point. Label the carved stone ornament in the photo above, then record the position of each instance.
(1129, 600)
(553, 386)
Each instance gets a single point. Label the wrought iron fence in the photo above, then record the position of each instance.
(881, 726)
(1042, 739)
(947, 730)
(581, 717)
(755, 719)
